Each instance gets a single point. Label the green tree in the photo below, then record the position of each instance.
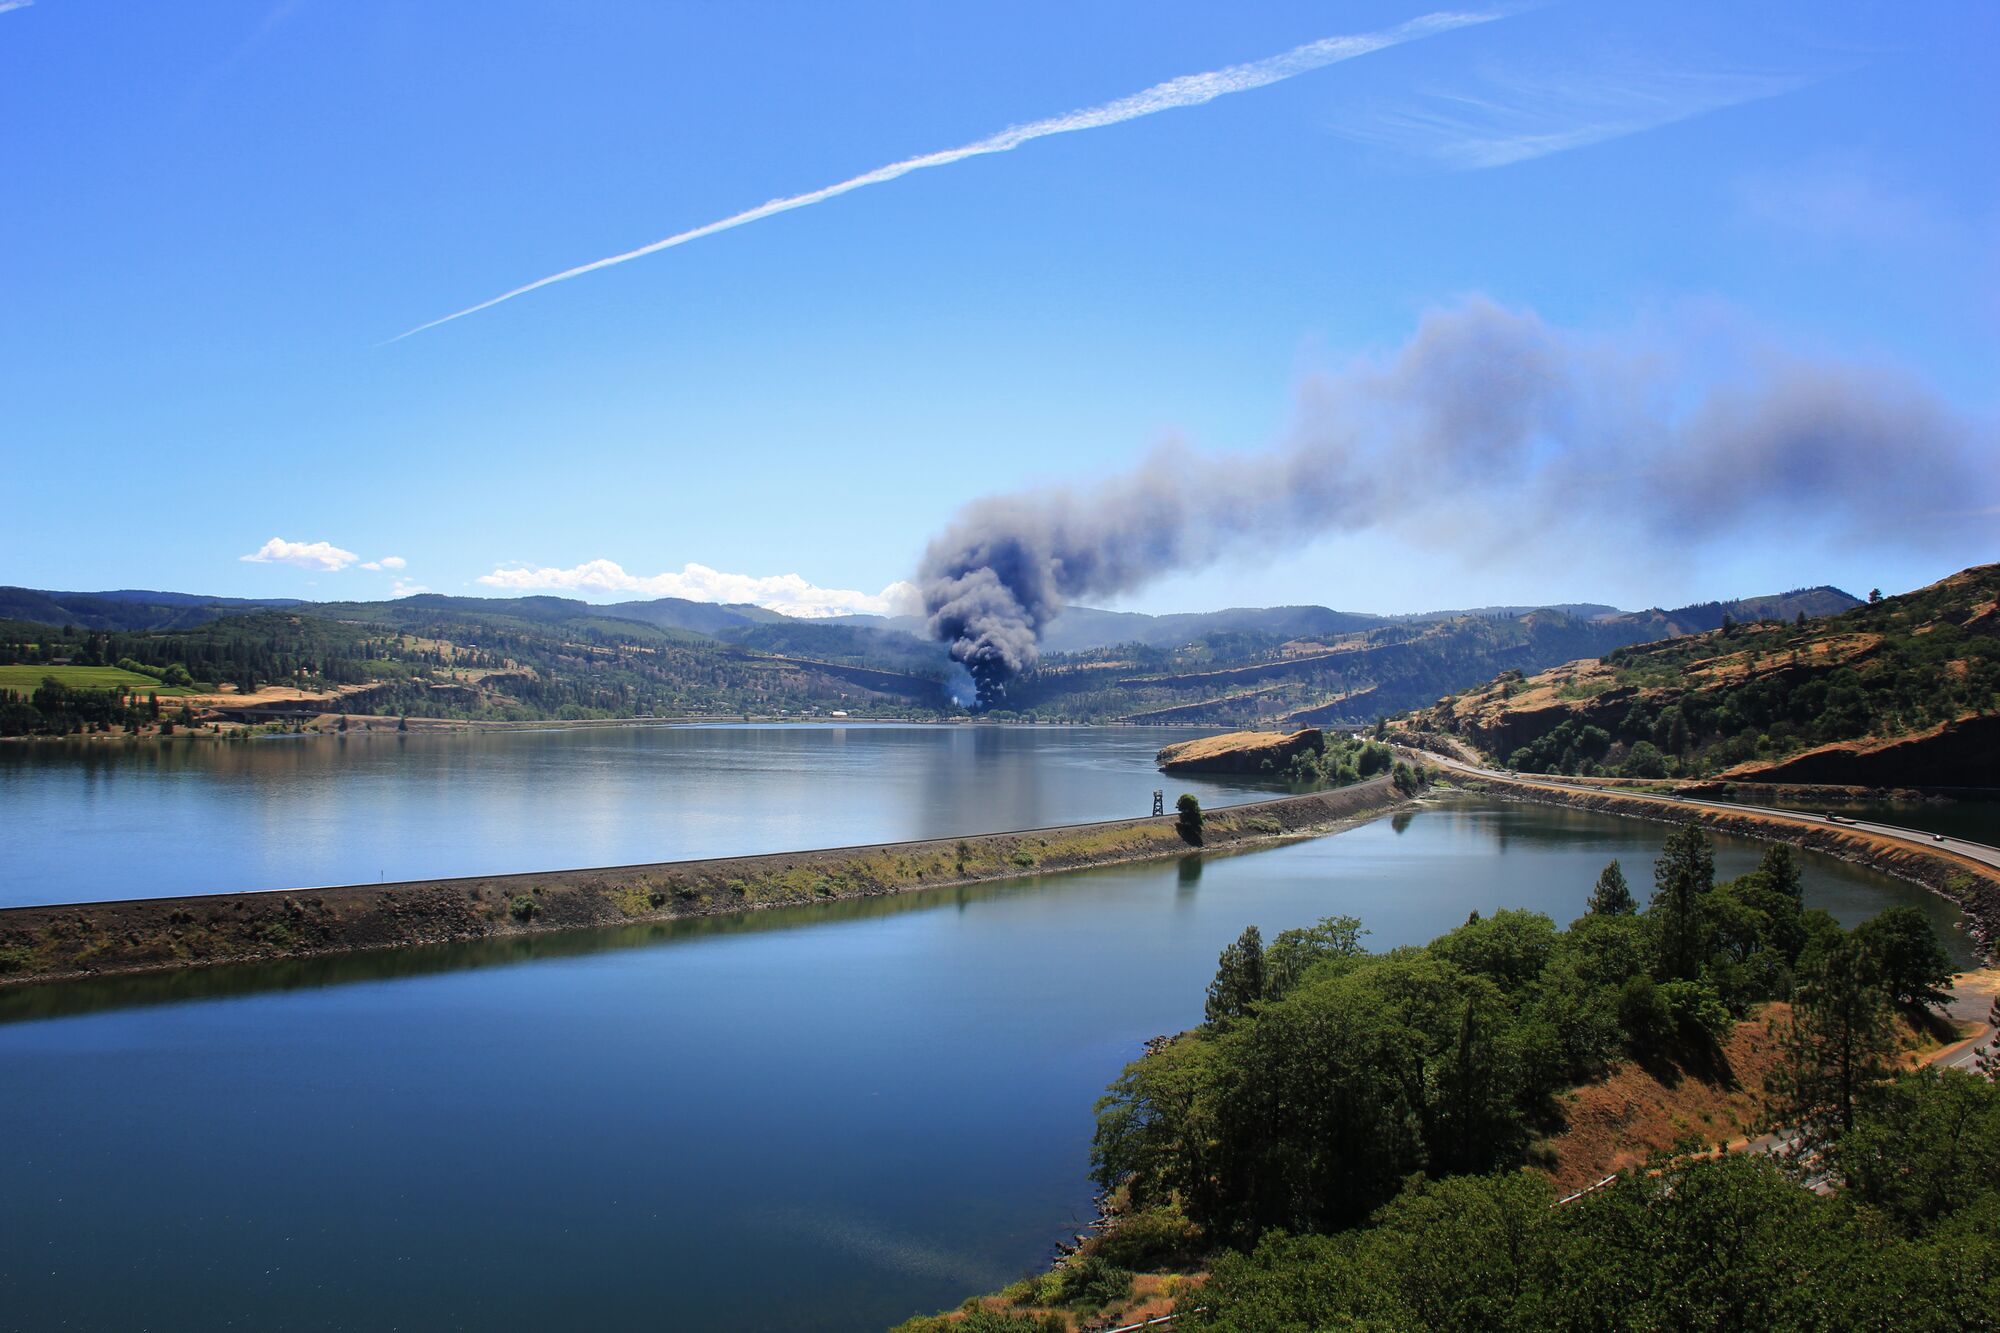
(1905, 957)
(1928, 1147)
(1684, 872)
(1988, 1060)
(1837, 1044)
(1511, 947)
(1189, 821)
(1612, 896)
(1473, 1121)
(1295, 952)
(1239, 978)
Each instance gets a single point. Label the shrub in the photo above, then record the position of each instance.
(524, 908)
(1697, 1013)
(981, 1320)
(1645, 761)
(1647, 1020)
(1090, 1282)
(1152, 1238)
(15, 958)
(1023, 858)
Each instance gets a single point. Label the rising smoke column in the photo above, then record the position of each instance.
(1495, 434)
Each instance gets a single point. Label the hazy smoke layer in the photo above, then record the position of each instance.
(1495, 432)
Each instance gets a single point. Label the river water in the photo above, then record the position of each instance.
(815, 1118)
(87, 821)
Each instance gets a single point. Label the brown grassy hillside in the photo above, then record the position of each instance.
(1901, 692)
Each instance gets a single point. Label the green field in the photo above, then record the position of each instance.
(25, 679)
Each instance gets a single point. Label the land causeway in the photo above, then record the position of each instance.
(76, 940)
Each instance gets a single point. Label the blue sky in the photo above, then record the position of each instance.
(219, 215)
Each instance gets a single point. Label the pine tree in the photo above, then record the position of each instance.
(1839, 1042)
(1613, 896)
(1684, 872)
(1239, 978)
(1988, 1060)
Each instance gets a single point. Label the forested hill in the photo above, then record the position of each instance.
(552, 657)
(1245, 676)
(1904, 691)
(464, 658)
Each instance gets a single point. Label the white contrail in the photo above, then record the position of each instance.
(1187, 90)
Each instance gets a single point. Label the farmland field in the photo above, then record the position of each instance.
(25, 679)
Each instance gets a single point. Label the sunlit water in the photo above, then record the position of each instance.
(820, 1118)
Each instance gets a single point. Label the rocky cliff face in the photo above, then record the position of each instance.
(1963, 753)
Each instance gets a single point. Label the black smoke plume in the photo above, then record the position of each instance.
(1493, 433)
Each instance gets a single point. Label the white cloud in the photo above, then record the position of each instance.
(1185, 91)
(1515, 117)
(386, 562)
(405, 588)
(788, 594)
(8, 6)
(306, 555)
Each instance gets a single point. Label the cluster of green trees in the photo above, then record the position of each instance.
(1703, 730)
(1342, 760)
(1731, 1245)
(246, 650)
(1325, 1077)
(55, 709)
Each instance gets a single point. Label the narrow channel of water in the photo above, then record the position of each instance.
(827, 1118)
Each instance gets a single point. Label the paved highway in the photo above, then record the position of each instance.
(1977, 851)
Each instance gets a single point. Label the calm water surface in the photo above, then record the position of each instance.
(822, 1118)
(1978, 820)
(83, 822)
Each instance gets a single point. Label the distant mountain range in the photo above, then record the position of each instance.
(1083, 628)
(1078, 629)
(1288, 664)
(126, 608)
